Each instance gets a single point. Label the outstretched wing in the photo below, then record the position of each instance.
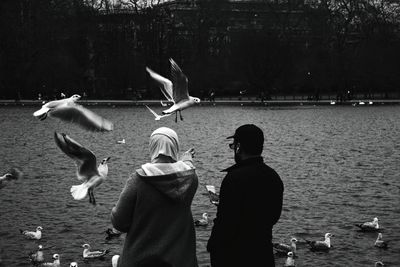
(157, 117)
(165, 84)
(82, 116)
(84, 158)
(180, 83)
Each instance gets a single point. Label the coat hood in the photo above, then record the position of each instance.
(172, 179)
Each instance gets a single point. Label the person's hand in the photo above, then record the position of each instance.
(188, 155)
(191, 152)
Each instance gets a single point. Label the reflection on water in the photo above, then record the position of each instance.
(340, 166)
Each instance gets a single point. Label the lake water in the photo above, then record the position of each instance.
(340, 166)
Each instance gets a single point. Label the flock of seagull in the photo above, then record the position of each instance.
(88, 172)
(282, 249)
(325, 245)
(91, 175)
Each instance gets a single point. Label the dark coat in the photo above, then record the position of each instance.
(155, 212)
(250, 204)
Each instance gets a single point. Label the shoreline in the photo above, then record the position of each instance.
(244, 102)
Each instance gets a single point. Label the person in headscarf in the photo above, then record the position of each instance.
(154, 208)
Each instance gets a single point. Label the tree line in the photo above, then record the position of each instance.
(100, 48)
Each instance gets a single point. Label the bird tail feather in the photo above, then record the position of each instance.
(79, 192)
(114, 260)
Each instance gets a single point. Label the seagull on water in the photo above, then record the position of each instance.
(121, 141)
(87, 170)
(176, 91)
(32, 234)
(55, 263)
(369, 226)
(73, 264)
(214, 197)
(281, 248)
(203, 221)
(114, 261)
(37, 257)
(68, 110)
(87, 254)
(290, 260)
(156, 116)
(321, 245)
(112, 232)
(379, 243)
(12, 174)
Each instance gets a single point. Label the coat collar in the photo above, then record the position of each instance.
(246, 162)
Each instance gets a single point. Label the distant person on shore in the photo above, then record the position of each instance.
(250, 204)
(212, 95)
(154, 208)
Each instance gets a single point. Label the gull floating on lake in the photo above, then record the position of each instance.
(380, 243)
(281, 248)
(290, 261)
(87, 170)
(121, 141)
(214, 197)
(32, 234)
(12, 174)
(156, 116)
(176, 91)
(321, 245)
(68, 110)
(114, 261)
(87, 254)
(112, 232)
(55, 263)
(37, 257)
(73, 264)
(369, 226)
(203, 221)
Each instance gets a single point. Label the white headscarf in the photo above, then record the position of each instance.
(164, 141)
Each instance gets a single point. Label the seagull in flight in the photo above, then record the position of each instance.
(175, 91)
(87, 171)
(68, 110)
(156, 116)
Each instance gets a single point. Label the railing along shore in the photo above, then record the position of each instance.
(243, 101)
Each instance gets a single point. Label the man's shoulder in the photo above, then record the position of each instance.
(262, 171)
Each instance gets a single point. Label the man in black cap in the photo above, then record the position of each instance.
(250, 204)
